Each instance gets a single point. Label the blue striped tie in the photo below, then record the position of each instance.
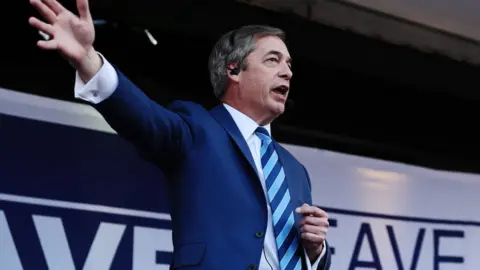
(286, 237)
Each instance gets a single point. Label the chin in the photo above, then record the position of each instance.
(278, 109)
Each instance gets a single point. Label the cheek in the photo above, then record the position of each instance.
(257, 87)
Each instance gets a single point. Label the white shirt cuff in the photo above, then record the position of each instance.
(100, 87)
(314, 266)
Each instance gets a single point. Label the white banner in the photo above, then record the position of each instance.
(383, 215)
(390, 215)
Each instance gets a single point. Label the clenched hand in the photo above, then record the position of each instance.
(313, 229)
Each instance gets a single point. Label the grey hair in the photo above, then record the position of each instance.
(233, 48)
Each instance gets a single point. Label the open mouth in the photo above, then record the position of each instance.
(281, 90)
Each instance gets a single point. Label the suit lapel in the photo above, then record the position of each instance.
(289, 174)
(225, 119)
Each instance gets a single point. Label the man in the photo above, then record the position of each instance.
(239, 200)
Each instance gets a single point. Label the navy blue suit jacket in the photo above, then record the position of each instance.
(218, 208)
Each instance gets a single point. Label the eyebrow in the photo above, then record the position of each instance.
(279, 54)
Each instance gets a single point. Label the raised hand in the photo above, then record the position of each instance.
(72, 36)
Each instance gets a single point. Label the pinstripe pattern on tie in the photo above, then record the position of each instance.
(286, 236)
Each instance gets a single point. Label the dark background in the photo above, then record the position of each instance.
(352, 93)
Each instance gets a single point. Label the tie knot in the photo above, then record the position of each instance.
(262, 133)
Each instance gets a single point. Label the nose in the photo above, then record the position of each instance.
(286, 72)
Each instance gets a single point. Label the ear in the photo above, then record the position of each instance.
(233, 71)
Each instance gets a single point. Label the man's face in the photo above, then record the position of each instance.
(265, 84)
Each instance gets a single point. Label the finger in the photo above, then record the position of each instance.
(305, 209)
(44, 10)
(84, 9)
(311, 229)
(39, 25)
(311, 210)
(54, 5)
(317, 230)
(317, 221)
(312, 238)
(47, 44)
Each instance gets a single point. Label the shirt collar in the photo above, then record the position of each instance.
(245, 124)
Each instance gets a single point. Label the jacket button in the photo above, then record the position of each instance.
(251, 267)
(259, 234)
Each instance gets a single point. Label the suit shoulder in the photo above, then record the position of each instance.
(195, 115)
(187, 109)
(187, 106)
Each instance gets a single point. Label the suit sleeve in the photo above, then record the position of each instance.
(325, 262)
(160, 134)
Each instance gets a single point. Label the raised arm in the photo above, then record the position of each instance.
(160, 134)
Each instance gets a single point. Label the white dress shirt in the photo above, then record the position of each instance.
(104, 83)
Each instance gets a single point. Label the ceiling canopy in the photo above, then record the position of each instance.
(447, 27)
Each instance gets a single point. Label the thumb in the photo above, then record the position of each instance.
(302, 208)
